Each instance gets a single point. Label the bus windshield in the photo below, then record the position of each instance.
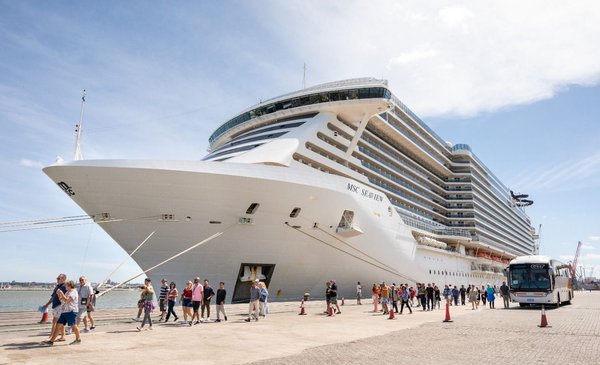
(529, 277)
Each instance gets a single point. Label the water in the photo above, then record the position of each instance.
(30, 300)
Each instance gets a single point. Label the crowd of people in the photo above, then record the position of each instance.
(428, 296)
(72, 304)
(196, 300)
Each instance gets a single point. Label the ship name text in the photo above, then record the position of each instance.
(364, 192)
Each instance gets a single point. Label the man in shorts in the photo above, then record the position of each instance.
(85, 293)
(197, 298)
(56, 304)
(162, 299)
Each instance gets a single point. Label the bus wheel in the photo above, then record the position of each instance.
(523, 305)
(569, 301)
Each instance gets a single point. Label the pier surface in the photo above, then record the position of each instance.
(354, 337)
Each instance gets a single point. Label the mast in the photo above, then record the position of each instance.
(77, 156)
(304, 77)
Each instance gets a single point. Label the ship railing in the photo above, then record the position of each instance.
(432, 227)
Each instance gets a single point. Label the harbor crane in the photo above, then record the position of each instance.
(573, 267)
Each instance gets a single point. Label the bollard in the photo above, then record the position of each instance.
(342, 301)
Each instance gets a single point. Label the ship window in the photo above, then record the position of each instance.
(252, 208)
(295, 212)
(429, 271)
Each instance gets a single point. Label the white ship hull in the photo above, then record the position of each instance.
(137, 194)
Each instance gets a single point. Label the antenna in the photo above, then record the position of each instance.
(77, 156)
(304, 77)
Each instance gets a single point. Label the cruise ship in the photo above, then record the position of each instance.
(339, 181)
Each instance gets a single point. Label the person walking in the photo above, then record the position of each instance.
(56, 304)
(209, 293)
(422, 294)
(483, 295)
(162, 299)
(384, 294)
(68, 317)
(197, 298)
(429, 295)
(254, 297)
(490, 296)
(455, 294)
(447, 293)
(263, 306)
(171, 299)
(436, 293)
(148, 295)
(333, 296)
(505, 295)
(394, 297)
(473, 297)
(186, 303)
(463, 294)
(221, 294)
(358, 293)
(85, 293)
(375, 297)
(405, 295)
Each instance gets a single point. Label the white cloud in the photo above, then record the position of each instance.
(454, 16)
(587, 247)
(448, 60)
(566, 175)
(29, 163)
(413, 56)
(594, 238)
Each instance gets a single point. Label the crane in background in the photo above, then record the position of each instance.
(573, 267)
(537, 237)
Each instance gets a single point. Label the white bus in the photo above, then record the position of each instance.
(539, 280)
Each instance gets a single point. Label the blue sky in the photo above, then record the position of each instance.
(519, 83)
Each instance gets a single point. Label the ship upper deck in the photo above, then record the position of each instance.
(353, 89)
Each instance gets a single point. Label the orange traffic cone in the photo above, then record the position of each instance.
(447, 313)
(44, 318)
(392, 316)
(44, 311)
(330, 311)
(302, 313)
(544, 320)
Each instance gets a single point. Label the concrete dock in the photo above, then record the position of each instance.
(356, 336)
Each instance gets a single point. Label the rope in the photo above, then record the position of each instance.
(382, 267)
(354, 248)
(169, 259)
(30, 225)
(34, 221)
(125, 260)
